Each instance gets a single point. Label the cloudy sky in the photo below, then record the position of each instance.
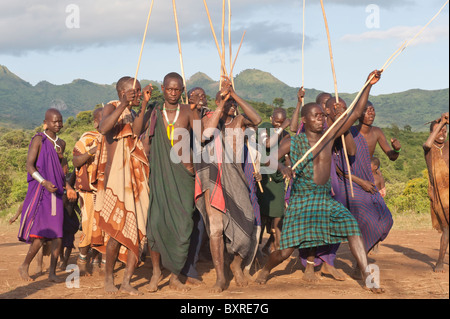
(62, 40)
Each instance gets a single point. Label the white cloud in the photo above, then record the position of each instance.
(401, 33)
(40, 25)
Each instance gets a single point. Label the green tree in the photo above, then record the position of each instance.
(278, 102)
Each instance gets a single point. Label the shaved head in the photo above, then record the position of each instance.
(122, 83)
(322, 98)
(50, 112)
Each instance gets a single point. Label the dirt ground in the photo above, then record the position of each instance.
(406, 259)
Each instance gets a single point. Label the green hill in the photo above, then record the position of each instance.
(23, 104)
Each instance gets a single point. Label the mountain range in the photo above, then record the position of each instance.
(23, 104)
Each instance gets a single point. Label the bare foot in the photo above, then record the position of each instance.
(82, 265)
(439, 268)
(218, 287)
(110, 289)
(154, 281)
(53, 278)
(176, 284)
(127, 289)
(330, 270)
(23, 271)
(194, 282)
(239, 278)
(262, 276)
(374, 287)
(310, 275)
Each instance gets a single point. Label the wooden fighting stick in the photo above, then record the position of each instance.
(344, 146)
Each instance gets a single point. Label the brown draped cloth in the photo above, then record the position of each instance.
(121, 205)
(438, 189)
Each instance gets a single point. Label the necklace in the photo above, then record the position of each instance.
(54, 141)
(439, 148)
(232, 119)
(171, 126)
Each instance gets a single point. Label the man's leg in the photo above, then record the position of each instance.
(32, 251)
(157, 273)
(359, 252)
(236, 269)
(216, 244)
(275, 258)
(83, 260)
(132, 261)
(112, 251)
(442, 251)
(277, 224)
(56, 250)
(309, 274)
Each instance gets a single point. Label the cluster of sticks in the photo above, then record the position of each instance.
(224, 73)
(383, 68)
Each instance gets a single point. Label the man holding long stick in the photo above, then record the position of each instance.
(221, 190)
(120, 171)
(313, 218)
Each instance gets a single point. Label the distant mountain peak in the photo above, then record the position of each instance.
(200, 76)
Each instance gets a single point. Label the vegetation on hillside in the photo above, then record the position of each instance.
(406, 178)
(22, 104)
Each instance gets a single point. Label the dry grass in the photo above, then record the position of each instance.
(411, 221)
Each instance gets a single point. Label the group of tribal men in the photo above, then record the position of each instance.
(154, 180)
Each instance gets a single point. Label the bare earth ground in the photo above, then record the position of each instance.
(406, 259)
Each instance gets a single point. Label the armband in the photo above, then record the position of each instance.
(398, 151)
(38, 177)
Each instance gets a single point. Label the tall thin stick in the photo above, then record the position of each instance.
(344, 146)
(223, 43)
(331, 51)
(229, 42)
(405, 45)
(327, 132)
(142, 45)
(303, 50)
(254, 165)
(215, 38)
(179, 47)
(237, 54)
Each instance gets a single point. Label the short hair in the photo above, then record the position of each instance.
(376, 161)
(279, 110)
(307, 108)
(122, 82)
(173, 76)
(193, 90)
(322, 96)
(332, 100)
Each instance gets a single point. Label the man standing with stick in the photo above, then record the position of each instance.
(313, 218)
